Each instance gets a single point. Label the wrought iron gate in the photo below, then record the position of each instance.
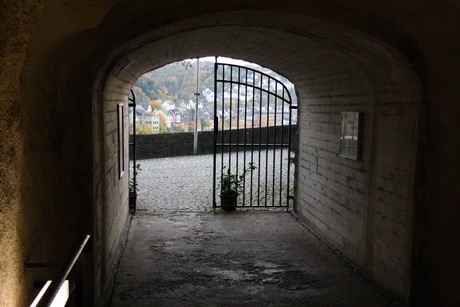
(252, 127)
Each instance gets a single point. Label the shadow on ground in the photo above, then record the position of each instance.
(234, 259)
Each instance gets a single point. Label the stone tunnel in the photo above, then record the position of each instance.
(67, 65)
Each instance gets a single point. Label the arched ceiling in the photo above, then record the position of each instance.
(302, 49)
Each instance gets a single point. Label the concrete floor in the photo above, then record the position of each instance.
(234, 259)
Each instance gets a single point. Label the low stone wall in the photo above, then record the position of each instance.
(150, 146)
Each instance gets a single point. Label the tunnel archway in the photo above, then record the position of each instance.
(362, 208)
(52, 52)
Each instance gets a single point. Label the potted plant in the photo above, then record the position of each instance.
(230, 186)
(133, 189)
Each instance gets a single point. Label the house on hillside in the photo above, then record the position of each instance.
(147, 107)
(188, 115)
(164, 115)
(144, 118)
(168, 105)
(175, 116)
(208, 95)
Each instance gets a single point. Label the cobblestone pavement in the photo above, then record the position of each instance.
(185, 183)
(175, 184)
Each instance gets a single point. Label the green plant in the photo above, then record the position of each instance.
(133, 189)
(232, 183)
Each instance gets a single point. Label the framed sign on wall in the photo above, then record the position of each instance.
(350, 135)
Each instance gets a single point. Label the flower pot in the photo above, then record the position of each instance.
(228, 200)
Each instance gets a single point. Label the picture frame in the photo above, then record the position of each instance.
(350, 135)
(121, 139)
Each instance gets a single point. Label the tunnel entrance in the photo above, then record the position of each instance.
(363, 208)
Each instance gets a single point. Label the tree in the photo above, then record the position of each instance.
(146, 84)
(156, 104)
(148, 129)
(205, 123)
(140, 95)
(163, 126)
(144, 129)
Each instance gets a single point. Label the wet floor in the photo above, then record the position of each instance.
(234, 259)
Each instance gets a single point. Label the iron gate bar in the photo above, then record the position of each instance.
(252, 132)
(260, 138)
(245, 127)
(237, 122)
(235, 78)
(274, 152)
(223, 117)
(230, 118)
(216, 128)
(266, 150)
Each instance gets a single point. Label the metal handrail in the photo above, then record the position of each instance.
(56, 283)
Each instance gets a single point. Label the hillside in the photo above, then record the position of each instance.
(177, 82)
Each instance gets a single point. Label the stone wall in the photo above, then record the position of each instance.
(17, 21)
(181, 144)
(364, 208)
